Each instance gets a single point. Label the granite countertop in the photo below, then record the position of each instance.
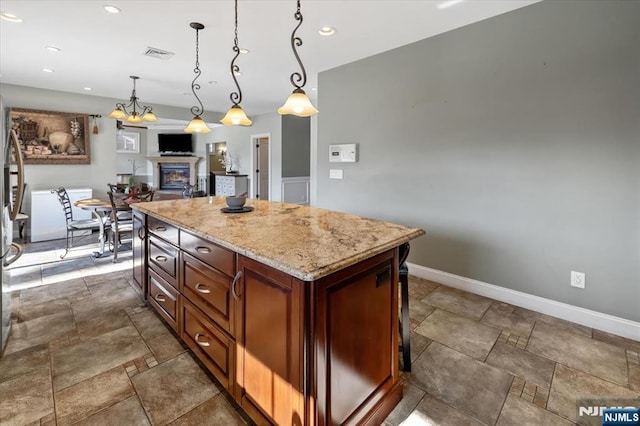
(305, 242)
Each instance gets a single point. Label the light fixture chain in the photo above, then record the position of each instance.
(195, 110)
(236, 97)
(296, 77)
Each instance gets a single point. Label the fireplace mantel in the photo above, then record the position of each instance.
(156, 161)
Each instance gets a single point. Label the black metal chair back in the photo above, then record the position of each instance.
(63, 197)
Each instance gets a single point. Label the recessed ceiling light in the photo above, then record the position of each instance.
(212, 82)
(313, 89)
(111, 9)
(327, 31)
(244, 51)
(88, 88)
(52, 48)
(10, 17)
(448, 3)
(47, 70)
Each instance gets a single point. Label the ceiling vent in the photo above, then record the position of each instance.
(158, 53)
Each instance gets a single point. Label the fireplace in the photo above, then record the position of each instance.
(165, 172)
(174, 175)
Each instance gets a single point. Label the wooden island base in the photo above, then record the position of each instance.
(290, 351)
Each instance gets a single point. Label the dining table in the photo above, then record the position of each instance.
(100, 209)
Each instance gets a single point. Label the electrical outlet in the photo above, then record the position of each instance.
(577, 279)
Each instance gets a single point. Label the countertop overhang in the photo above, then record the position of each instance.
(305, 242)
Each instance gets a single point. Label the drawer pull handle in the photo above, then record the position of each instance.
(161, 228)
(201, 249)
(233, 285)
(161, 258)
(201, 288)
(160, 298)
(203, 343)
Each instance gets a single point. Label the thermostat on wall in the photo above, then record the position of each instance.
(345, 153)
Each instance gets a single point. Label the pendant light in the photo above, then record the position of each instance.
(121, 113)
(236, 116)
(298, 102)
(197, 124)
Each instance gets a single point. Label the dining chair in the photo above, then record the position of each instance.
(21, 218)
(121, 222)
(146, 196)
(405, 325)
(120, 187)
(84, 225)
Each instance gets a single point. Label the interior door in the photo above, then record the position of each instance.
(261, 177)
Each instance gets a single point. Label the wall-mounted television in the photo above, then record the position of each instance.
(175, 142)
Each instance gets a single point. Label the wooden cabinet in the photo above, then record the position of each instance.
(289, 351)
(164, 298)
(139, 253)
(270, 332)
(212, 345)
(356, 322)
(163, 257)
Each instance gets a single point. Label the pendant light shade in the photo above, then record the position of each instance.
(236, 116)
(197, 124)
(138, 113)
(298, 103)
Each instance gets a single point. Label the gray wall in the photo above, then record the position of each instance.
(514, 142)
(296, 147)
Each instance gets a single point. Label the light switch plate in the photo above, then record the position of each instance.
(335, 174)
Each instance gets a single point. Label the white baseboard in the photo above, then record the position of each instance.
(586, 317)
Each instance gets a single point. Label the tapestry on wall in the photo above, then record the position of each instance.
(48, 137)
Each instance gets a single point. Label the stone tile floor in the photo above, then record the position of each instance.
(85, 350)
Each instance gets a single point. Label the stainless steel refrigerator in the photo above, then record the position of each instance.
(11, 174)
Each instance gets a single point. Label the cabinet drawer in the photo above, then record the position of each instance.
(209, 290)
(164, 298)
(214, 255)
(163, 230)
(209, 343)
(163, 257)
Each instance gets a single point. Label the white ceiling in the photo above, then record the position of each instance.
(100, 50)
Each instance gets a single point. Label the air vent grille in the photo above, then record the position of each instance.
(158, 53)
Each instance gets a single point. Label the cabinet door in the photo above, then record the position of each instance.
(139, 252)
(269, 327)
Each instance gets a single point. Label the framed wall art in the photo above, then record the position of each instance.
(128, 142)
(48, 137)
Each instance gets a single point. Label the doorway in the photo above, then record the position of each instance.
(214, 164)
(261, 173)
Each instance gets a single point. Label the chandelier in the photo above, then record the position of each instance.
(138, 113)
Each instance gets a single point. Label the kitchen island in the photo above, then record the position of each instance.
(294, 309)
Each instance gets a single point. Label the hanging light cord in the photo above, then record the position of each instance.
(195, 110)
(297, 41)
(236, 97)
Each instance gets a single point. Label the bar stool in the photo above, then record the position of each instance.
(405, 326)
